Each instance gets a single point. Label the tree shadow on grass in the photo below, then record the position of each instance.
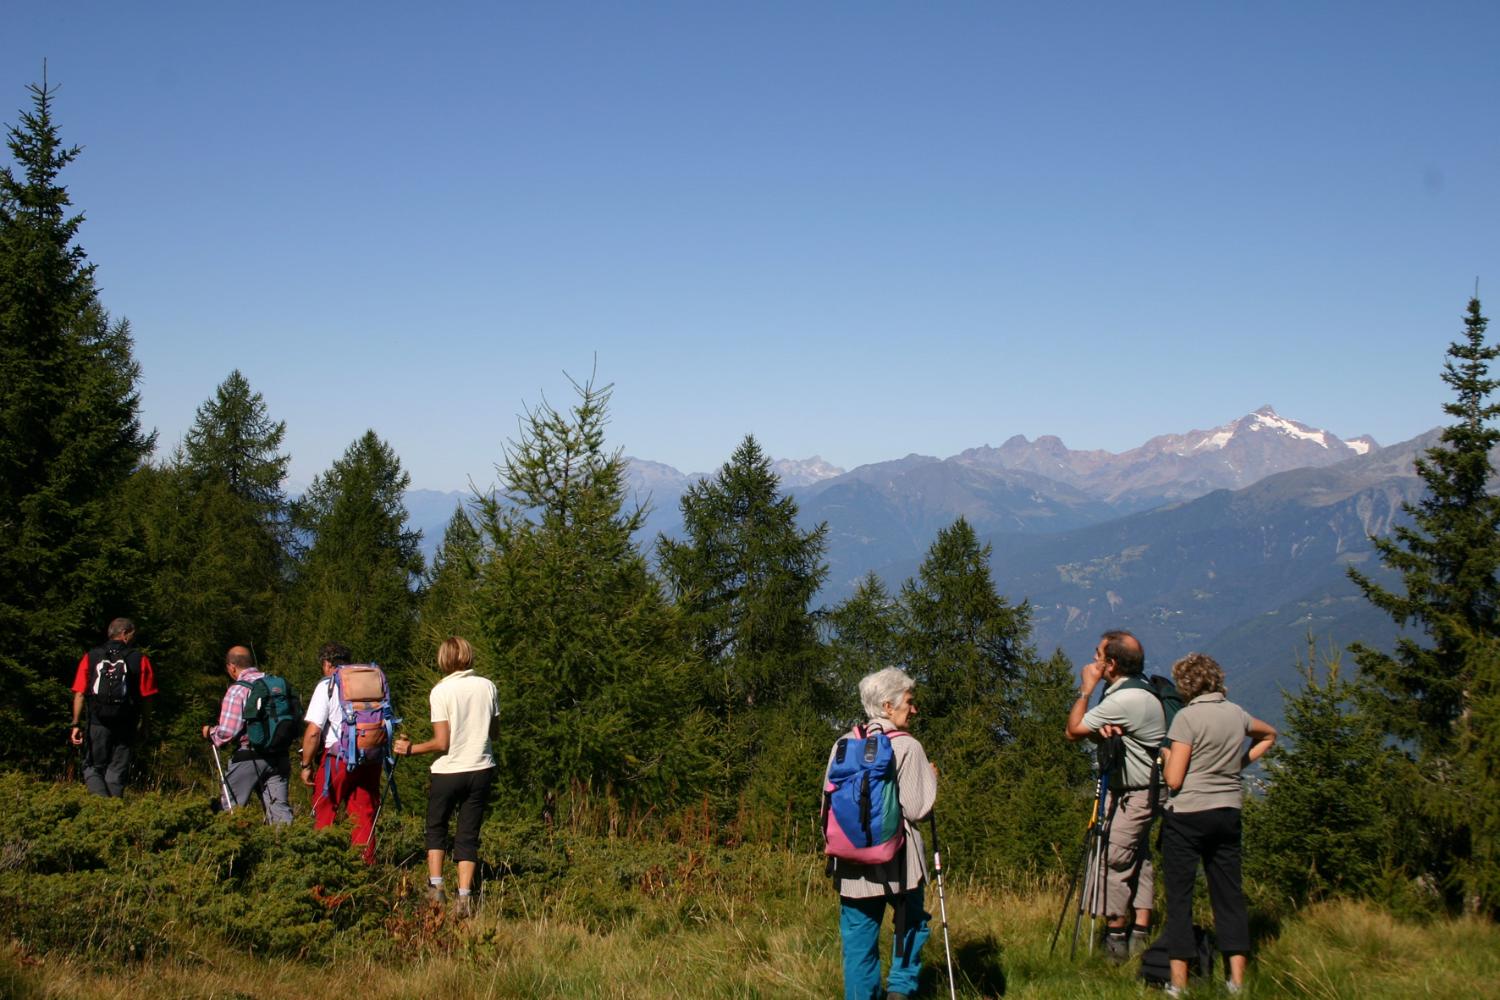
(977, 968)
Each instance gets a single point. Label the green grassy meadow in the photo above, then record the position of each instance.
(158, 897)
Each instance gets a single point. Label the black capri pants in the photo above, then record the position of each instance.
(469, 793)
(1213, 837)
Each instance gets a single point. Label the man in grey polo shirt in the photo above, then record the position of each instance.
(1135, 715)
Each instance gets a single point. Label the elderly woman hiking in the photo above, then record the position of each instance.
(465, 717)
(1204, 758)
(878, 786)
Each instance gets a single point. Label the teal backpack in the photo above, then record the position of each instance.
(272, 714)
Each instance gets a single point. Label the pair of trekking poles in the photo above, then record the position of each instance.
(1091, 868)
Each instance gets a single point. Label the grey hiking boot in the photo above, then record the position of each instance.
(1116, 947)
(466, 906)
(1139, 940)
(436, 895)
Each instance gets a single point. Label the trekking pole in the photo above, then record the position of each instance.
(1090, 857)
(225, 795)
(1078, 870)
(390, 787)
(937, 867)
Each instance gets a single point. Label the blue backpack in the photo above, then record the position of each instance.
(862, 818)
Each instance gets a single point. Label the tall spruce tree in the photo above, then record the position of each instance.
(966, 643)
(356, 580)
(594, 678)
(71, 435)
(744, 578)
(1448, 559)
(211, 526)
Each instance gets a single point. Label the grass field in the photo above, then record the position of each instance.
(761, 925)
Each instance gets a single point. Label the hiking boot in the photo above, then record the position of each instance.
(436, 896)
(1116, 947)
(1138, 940)
(466, 906)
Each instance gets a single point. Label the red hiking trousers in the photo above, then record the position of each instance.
(358, 791)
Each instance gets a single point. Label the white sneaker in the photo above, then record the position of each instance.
(1233, 988)
(1172, 991)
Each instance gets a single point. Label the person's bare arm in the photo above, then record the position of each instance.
(1076, 730)
(439, 742)
(1263, 737)
(1174, 771)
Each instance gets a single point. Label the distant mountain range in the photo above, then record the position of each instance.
(1233, 540)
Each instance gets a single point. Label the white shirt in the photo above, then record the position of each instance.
(320, 712)
(467, 702)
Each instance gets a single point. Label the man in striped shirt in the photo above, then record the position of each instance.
(249, 772)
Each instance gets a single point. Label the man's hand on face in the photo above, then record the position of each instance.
(1092, 673)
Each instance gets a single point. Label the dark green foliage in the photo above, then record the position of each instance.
(1448, 558)
(129, 879)
(233, 440)
(990, 713)
(210, 526)
(864, 635)
(1449, 562)
(71, 435)
(1475, 802)
(355, 581)
(743, 577)
(593, 677)
(1322, 828)
(966, 644)
(450, 604)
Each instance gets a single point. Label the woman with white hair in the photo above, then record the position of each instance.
(866, 889)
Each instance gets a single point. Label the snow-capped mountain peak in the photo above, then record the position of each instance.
(804, 472)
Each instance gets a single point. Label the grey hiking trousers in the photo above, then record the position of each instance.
(251, 777)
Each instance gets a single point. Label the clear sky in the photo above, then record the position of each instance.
(857, 230)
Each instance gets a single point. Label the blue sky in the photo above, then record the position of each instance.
(858, 230)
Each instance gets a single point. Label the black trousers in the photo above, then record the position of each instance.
(469, 793)
(1213, 837)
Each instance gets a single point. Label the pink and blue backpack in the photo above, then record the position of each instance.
(861, 803)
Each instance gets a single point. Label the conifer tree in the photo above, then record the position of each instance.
(744, 577)
(211, 526)
(1448, 559)
(234, 440)
(864, 635)
(1322, 828)
(988, 709)
(593, 676)
(355, 582)
(70, 436)
(450, 603)
(1475, 806)
(965, 642)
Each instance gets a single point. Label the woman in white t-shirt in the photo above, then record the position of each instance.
(465, 717)
(1206, 753)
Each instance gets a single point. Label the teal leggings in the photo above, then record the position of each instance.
(859, 927)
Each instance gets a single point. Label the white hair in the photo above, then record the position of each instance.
(882, 687)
